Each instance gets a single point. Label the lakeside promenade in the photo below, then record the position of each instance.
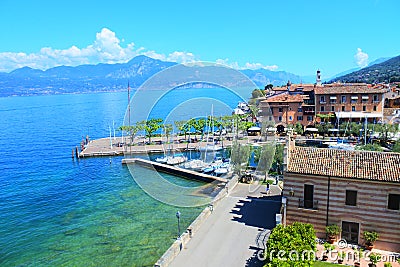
(233, 234)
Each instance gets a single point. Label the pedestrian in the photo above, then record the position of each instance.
(267, 189)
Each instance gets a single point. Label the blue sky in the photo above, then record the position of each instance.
(295, 36)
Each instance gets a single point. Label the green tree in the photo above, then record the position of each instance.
(293, 245)
(180, 125)
(198, 125)
(396, 147)
(167, 128)
(131, 130)
(264, 157)
(298, 128)
(370, 147)
(240, 155)
(257, 93)
(151, 126)
(269, 86)
(277, 163)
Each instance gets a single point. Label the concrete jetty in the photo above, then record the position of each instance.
(117, 146)
(174, 170)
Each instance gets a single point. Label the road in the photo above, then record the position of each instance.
(229, 235)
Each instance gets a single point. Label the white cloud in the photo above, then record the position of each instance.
(248, 65)
(106, 48)
(361, 58)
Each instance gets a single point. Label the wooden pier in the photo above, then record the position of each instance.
(174, 170)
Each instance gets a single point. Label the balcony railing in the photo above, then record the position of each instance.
(308, 112)
(308, 204)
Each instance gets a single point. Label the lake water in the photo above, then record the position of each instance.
(56, 211)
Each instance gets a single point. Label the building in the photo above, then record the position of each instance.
(350, 102)
(357, 190)
(295, 104)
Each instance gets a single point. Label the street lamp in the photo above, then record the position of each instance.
(284, 201)
(178, 216)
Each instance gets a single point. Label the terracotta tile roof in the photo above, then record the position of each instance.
(369, 165)
(285, 97)
(348, 89)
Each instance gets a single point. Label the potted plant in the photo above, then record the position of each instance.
(374, 258)
(341, 256)
(370, 238)
(357, 256)
(328, 247)
(387, 264)
(332, 231)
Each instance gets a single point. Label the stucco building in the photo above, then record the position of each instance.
(357, 190)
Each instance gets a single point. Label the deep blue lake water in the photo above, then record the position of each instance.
(57, 211)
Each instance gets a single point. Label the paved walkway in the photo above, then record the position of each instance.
(229, 236)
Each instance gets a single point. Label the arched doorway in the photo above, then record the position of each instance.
(280, 128)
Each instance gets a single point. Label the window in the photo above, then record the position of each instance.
(332, 99)
(322, 99)
(343, 108)
(354, 99)
(280, 109)
(322, 108)
(308, 196)
(343, 99)
(394, 202)
(351, 197)
(290, 118)
(300, 110)
(350, 231)
(290, 108)
(374, 108)
(376, 98)
(333, 108)
(364, 108)
(353, 108)
(299, 118)
(365, 98)
(270, 118)
(280, 118)
(309, 118)
(272, 110)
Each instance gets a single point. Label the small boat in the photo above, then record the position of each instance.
(210, 148)
(208, 170)
(163, 159)
(176, 159)
(195, 165)
(221, 171)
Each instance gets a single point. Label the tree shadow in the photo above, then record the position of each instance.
(257, 211)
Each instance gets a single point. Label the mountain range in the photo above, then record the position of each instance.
(108, 77)
(380, 71)
(115, 77)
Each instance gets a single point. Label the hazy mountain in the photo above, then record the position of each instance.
(380, 70)
(109, 77)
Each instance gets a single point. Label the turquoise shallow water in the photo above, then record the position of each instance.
(55, 211)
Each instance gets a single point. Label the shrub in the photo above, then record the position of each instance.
(298, 237)
(370, 237)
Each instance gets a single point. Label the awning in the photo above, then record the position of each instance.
(254, 128)
(238, 111)
(311, 130)
(357, 114)
(354, 97)
(365, 97)
(332, 97)
(333, 130)
(271, 129)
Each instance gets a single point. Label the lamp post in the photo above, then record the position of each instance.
(284, 210)
(178, 216)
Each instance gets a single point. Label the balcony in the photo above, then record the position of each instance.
(308, 112)
(308, 204)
